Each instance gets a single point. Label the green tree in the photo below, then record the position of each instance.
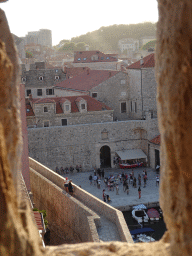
(28, 54)
(80, 46)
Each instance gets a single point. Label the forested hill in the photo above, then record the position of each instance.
(106, 38)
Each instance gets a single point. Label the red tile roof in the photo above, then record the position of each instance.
(92, 104)
(156, 140)
(38, 220)
(148, 62)
(87, 81)
(85, 57)
(74, 71)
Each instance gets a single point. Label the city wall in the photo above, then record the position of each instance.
(69, 220)
(81, 144)
(43, 178)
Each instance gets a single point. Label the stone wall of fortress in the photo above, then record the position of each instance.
(71, 218)
(81, 144)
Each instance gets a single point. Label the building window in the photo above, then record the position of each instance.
(56, 77)
(28, 92)
(102, 58)
(123, 107)
(82, 106)
(107, 58)
(122, 81)
(84, 58)
(94, 94)
(39, 92)
(41, 78)
(23, 79)
(49, 91)
(131, 106)
(56, 70)
(135, 107)
(45, 109)
(66, 107)
(46, 123)
(64, 122)
(79, 59)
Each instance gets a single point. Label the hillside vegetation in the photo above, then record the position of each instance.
(106, 38)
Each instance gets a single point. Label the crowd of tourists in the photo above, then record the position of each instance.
(112, 182)
(67, 170)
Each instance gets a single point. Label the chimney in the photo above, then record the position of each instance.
(141, 61)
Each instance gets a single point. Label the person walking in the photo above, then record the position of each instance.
(66, 184)
(124, 185)
(102, 173)
(139, 191)
(139, 180)
(127, 188)
(145, 180)
(70, 188)
(90, 179)
(117, 189)
(157, 180)
(99, 183)
(104, 195)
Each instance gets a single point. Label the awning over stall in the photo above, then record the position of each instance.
(131, 154)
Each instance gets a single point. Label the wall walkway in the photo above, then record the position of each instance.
(83, 216)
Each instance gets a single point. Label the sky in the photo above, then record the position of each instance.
(71, 18)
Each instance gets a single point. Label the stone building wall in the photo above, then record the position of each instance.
(152, 149)
(147, 90)
(72, 118)
(99, 65)
(32, 81)
(72, 224)
(113, 93)
(93, 210)
(81, 144)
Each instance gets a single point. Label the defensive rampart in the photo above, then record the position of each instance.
(69, 220)
(86, 198)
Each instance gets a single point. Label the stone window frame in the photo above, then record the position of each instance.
(38, 91)
(92, 94)
(23, 79)
(57, 77)
(49, 90)
(122, 111)
(28, 92)
(62, 122)
(67, 105)
(84, 106)
(46, 122)
(45, 109)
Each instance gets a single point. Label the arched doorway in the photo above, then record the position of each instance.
(105, 157)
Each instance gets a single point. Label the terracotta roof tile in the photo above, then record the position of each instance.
(92, 104)
(85, 57)
(38, 220)
(74, 71)
(149, 62)
(87, 80)
(156, 140)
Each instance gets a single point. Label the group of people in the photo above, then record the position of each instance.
(67, 170)
(68, 186)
